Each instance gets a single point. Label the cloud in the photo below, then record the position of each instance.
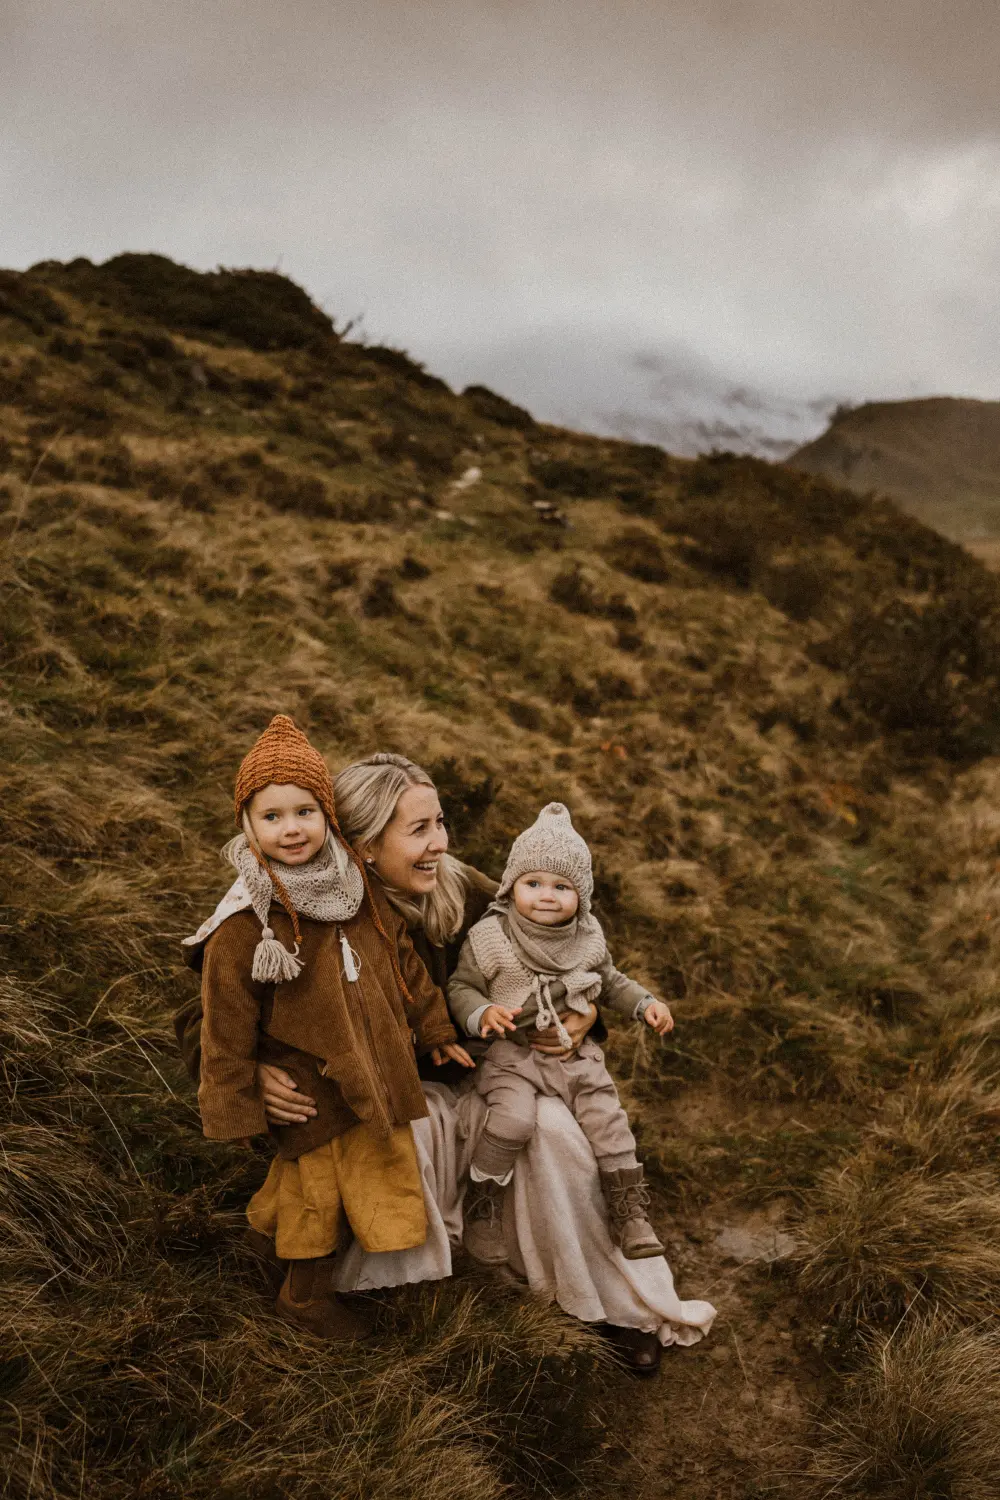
(804, 196)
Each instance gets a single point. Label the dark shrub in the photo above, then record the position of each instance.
(929, 672)
(380, 601)
(227, 475)
(465, 797)
(574, 590)
(258, 308)
(400, 363)
(302, 494)
(725, 541)
(259, 391)
(797, 589)
(21, 297)
(433, 453)
(640, 555)
(525, 715)
(581, 481)
(493, 408)
(72, 350)
(341, 575)
(193, 496)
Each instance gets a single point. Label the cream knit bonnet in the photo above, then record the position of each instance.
(551, 844)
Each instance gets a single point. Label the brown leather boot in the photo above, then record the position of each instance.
(483, 1215)
(636, 1351)
(627, 1197)
(308, 1300)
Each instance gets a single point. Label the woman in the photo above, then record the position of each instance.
(554, 1216)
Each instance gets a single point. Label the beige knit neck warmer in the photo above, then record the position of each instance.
(549, 950)
(324, 889)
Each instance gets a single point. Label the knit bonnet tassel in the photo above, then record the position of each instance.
(547, 1014)
(272, 962)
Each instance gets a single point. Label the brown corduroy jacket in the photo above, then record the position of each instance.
(349, 1045)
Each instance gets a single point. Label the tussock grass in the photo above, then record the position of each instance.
(882, 1239)
(918, 1421)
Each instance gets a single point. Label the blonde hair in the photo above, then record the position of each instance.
(366, 794)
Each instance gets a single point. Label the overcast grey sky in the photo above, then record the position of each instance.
(622, 212)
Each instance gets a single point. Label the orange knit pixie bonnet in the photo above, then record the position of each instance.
(283, 756)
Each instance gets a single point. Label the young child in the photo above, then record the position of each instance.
(539, 950)
(305, 966)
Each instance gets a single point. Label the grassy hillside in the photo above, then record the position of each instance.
(772, 707)
(939, 459)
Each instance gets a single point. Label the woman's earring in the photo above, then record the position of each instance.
(369, 860)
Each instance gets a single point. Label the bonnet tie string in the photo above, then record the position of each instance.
(547, 1015)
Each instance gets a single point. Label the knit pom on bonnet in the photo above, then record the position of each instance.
(551, 844)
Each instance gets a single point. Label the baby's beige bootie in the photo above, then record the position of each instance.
(627, 1197)
(483, 1214)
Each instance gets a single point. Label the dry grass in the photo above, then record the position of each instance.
(919, 1420)
(212, 508)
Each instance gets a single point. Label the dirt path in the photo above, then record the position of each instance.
(730, 1418)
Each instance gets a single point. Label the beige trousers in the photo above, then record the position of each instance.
(511, 1078)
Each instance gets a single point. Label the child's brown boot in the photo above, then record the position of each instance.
(627, 1197)
(483, 1214)
(308, 1300)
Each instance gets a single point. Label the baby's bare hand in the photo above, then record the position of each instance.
(658, 1016)
(498, 1020)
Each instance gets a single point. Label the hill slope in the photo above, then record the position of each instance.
(770, 704)
(939, 459)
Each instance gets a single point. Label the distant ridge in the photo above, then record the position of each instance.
(939, 459)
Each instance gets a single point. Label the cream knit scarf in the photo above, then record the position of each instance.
(327, 888)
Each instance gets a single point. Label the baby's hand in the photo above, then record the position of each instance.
(499, 1020)
(658, 1016)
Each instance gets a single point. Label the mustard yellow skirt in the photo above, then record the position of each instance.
(374, 1183)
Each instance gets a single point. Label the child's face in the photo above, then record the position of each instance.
(288, 824)
(545, 898)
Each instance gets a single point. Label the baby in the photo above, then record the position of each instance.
(537, 951)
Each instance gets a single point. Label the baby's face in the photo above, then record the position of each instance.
(545, 898)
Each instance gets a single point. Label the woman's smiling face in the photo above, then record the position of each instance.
(408, 851)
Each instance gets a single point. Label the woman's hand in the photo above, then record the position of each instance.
(283, 1103)
(576, 1024)
(451, 1052)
